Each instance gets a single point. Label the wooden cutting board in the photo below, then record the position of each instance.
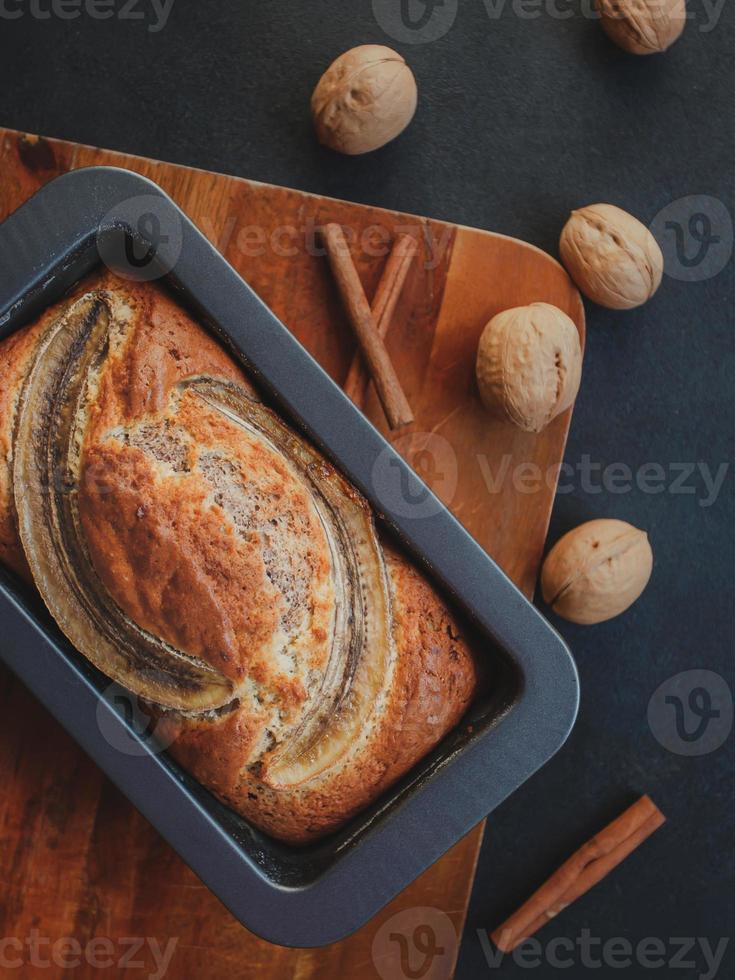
(77, 859)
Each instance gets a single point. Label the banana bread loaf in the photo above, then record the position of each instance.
(206, 557)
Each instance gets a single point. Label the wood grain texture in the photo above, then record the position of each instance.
(77, 859)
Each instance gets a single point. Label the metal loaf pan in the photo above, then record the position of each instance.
(292, 896)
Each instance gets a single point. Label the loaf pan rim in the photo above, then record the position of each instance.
(50, 242)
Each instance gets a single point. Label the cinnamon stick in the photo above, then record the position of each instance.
(581, 872)
(386, 298)
(392, 398)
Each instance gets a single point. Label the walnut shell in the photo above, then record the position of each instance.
(365, 99)
(612, 257)
(529, 365)
(597, 571)
(643, 26)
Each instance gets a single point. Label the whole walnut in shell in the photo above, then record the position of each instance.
(529, 365)
(365, 99)
(612, 257)
(597, 571)
(643, 26)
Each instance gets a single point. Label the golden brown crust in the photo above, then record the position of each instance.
(16, 354)
(161, 554)
(175, 544)
(165, 347)
(433, 686)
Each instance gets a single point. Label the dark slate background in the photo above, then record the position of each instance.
(519, 121)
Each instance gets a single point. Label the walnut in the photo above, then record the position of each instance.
(529, 365)
(643, 26)
(365, 99)
(597, 571)
(612, 257)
